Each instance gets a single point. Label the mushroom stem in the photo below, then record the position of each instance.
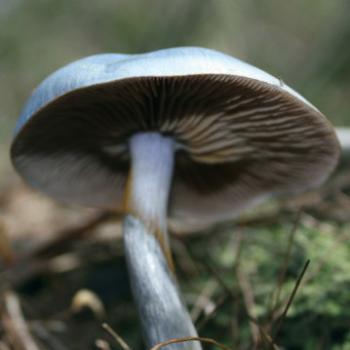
(161, 310)
(146, 197)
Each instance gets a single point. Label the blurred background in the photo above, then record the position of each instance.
(305, 43)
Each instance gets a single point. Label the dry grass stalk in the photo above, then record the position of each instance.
(290, 300)
(212, 313)
(15, 325)
(286, 259)
(187, 339)
(120, 341)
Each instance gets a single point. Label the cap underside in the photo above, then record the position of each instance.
(239, 140)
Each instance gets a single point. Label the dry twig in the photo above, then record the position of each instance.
(249, 302)
(187, 339)
(210, 315)
(120, 341)
(287, 255)
(291, 298)
(15, 325)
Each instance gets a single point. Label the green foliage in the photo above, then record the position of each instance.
(321, 303)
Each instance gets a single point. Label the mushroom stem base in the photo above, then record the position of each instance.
(162, 312)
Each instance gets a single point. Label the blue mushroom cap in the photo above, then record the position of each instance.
(242, 134)
(103, 68)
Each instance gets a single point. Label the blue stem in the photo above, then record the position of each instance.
(162, 312)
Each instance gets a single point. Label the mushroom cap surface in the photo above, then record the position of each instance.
(242, 135)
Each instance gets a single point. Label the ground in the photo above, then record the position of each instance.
(64, 275)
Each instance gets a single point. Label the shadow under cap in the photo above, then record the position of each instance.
(239, 140)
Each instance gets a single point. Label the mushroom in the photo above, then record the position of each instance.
(188, 133)
(343, 134)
